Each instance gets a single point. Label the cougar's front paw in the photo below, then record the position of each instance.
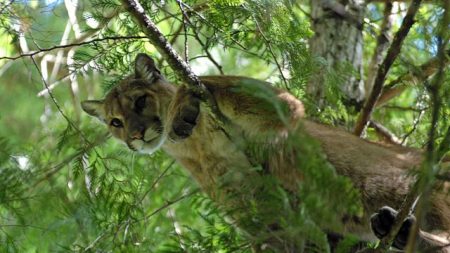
(186, 119)
(382, 221)
(401, 239)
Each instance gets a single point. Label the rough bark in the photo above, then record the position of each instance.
(338, 40)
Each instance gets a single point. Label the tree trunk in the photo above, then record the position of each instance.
(338, 40)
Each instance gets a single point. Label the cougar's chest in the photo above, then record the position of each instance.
(210, 153)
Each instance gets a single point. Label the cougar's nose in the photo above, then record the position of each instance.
(137, 133)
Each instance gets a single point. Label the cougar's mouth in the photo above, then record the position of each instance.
(152, 141)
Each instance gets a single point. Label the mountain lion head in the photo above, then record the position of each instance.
(135, 109)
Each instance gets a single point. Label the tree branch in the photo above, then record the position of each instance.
(424, 71)
(392, 54)
(178, 65)
(415, 124)
(386, 135)
(383, 41)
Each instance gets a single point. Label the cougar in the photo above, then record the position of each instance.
(147, 113)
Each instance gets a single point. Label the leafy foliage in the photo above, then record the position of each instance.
(66, 186)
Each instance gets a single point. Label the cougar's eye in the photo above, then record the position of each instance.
(116, 122)
(139, 104)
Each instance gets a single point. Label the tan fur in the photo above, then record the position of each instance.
(380, 173)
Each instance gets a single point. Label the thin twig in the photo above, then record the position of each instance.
(386, 135)
(391, 55)
(171, 214)
(167, 204)
(197, 37)
(116, 227)
(208, 54)
(79, 68)
(66, 161)
(57, 104)
(404, 108)
(185, 22)
(33, 53)
(205, 21)
(269, 46)
(157, 180)
(414, 127)
(23, 226)
(196, 8)
(93, 243)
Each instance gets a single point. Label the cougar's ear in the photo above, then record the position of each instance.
(145, 68)
(94, 108)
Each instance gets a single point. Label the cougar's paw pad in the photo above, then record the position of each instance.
(401, 239)
(189, 113)
(182, 130)
(186, 120)
(382, 221)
